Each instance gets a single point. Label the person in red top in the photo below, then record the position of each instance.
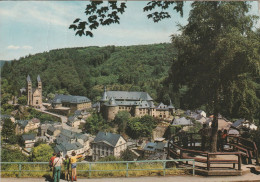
(51, 163)
(223, 140)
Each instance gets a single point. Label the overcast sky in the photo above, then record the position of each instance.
(37, 26)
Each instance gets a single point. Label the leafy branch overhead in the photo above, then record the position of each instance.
(106, 13)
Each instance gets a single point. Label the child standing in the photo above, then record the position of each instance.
(66, 163)
(73, 161)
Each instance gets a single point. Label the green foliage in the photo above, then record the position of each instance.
(39, 142)
(42, 153)
(255, 136)
(121, 119)
(13, 139)
(195, 128)
(7, 109)
(84, 71)
(102, 170)
(32, 113)
(127, 155)
(140, 127)
(8, 155)
(172, 130)
(107, 13)
(109, 158)
(218, 60)
(95, 123)
(8, 130)
(22, 100)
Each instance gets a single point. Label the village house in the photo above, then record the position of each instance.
(106, 144)
(182, 121)
(68, 148)
(66, 104)
(44, 127)
(137, 104)
(24, 126)
(243, 123)
(223, 123)
(154, 150)
(28, 142)
(52, 133)
(68, 141)
(82, 114)
(75, 121)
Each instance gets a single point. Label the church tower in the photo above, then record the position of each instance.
(39, 84)
(29, 91)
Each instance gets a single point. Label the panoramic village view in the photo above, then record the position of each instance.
(130, 91)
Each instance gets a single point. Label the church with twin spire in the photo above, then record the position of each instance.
(34, 95)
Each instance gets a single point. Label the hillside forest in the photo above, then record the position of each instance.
(86, 70)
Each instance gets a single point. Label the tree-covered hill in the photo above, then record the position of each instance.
(85, 70)
(2, 62)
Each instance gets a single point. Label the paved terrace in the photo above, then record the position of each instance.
(246, 177)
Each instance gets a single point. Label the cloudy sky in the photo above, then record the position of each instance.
(37, 26)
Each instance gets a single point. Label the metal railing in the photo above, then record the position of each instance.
(90, 167)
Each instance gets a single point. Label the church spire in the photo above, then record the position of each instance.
(104, 98)
(29, 78)
(38, 78)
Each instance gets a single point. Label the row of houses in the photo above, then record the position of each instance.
(95, 147)
(189, 117)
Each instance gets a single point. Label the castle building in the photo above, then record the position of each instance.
(34, 95)
(137, 104)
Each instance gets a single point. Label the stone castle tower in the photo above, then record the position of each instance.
(34, 95)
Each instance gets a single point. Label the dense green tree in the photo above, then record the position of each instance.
(8, 155)
(13, 139)
(218, 59)
(140, 127)
(8, 129)
(7, 109)
(95, 123)
(121, 119)
(39, 142)
(127, 155)
(42, 153)
(171, 130)
(84, 71)
(22, 100)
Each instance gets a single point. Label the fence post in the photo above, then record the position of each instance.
(193, 169)
(164, 164)
(20, 170)
(127, 169)
(89, 172)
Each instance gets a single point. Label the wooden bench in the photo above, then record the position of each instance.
(224, 161)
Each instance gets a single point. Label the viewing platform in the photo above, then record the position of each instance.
(238, 156)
